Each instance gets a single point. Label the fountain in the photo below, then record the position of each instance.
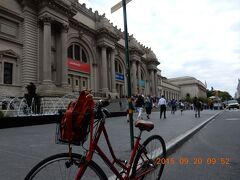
(32, 109)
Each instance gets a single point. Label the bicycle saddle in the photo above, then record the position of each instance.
(144, 125)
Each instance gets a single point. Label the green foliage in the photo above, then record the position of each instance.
(223, 95)
(204, 99)
(188, 98)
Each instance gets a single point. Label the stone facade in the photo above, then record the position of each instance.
(189, 85)
(237, 94)
(61, 46)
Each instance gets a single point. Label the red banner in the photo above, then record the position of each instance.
(78, 66)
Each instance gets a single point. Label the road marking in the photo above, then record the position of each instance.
(232, 119)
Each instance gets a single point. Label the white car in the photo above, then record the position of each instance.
(231, 104)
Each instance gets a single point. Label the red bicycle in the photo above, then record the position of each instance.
(144, 162)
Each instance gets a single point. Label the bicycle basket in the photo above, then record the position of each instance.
(79, 134)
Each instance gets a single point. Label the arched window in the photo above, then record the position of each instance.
(142, 75)
(76, 52)
(118, 67)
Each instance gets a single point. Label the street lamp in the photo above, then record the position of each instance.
(130, 105)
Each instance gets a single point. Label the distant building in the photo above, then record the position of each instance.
(168, 89)
(189, 85)
(237, 94)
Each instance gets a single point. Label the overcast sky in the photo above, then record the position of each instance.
(189, 37)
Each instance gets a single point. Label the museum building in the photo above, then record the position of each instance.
(62, 47)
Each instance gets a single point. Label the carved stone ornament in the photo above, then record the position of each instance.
(46, 18)
(65, 27)
(80, 33)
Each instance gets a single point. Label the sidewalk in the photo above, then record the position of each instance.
(21, 148)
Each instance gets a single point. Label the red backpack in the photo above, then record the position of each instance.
(74, 126)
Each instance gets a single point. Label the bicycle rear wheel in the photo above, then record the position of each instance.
(60, 167)
(146, 166)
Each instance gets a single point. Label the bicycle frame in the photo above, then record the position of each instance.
(93, 146)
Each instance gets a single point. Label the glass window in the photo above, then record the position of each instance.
(76, 82)
(120, 68)
(141, 75)
(76, 52)
(84, 57)
(8, 70)
(70, 52)
(116, 69)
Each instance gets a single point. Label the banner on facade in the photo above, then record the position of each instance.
(119, 76)
(78, 66)
(141, 83)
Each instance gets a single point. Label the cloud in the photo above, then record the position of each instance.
(193, 38)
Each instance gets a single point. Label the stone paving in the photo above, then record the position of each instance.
(23, 147)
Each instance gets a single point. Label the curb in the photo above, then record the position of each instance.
(175, 143)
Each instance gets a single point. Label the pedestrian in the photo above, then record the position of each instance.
(148, 106)
(139, 104)
(197, 105)
(162, 103)
(127, 115)
(173, 104)
(120, 104)
(181, 106)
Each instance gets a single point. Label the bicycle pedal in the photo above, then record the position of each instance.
(68, 164)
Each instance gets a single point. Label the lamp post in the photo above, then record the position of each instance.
(130, 105)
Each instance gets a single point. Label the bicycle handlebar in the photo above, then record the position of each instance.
(100, 110)
(102, 103)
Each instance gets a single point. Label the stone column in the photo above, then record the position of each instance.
(1, 70)
(134, 77)
(113, 71)
(156, 83)
(96, 77)
(64, 70)
(47, 78)
(152, 83)
(104, 79)
(139, 78)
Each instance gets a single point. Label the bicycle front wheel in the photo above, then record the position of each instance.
(146, 164)
(61, 167)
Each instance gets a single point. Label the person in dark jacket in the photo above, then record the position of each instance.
(197, 105)
(148, 106)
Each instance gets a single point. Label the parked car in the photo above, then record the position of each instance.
(231, 104)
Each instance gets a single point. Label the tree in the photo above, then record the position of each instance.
(188, 98)
(224, 95)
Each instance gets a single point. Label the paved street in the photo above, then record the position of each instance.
(23, 147)
(213, 153)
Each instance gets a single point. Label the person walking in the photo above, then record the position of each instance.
(181, 106)
(197, 105)
(148, 106)
(139, 104)
(173, 104)
(162, 103)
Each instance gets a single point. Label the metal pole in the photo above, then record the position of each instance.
(130, 105)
